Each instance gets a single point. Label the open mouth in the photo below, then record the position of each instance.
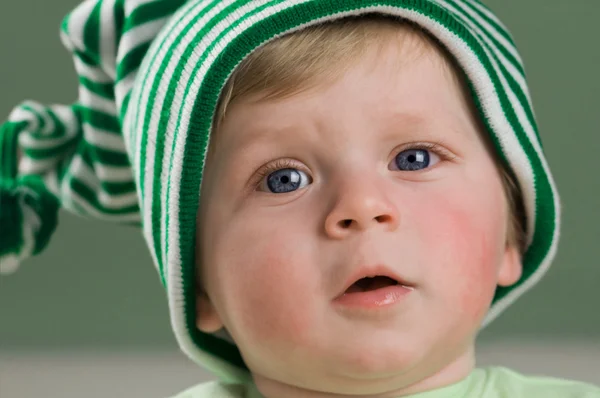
(368, 284)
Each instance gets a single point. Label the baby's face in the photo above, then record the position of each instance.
(361, 189)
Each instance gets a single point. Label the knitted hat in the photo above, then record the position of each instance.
(150, 76)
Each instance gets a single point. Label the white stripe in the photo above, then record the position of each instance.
(512, 70)
(73, 39)
(83, 173)
(51, 182)
(122, 87)
(107, 38)
(27, 141)
(108, 173)
(90, 210)
(139, 35)
(103, 138)
(9, 263)
(20, 114)
(116, 202)
(94, 101)
(31, 222)
(494, 18)
(92, 73)
(28, 165)
(68, 118)
(48, 122)
(491, 30)
(80, 170)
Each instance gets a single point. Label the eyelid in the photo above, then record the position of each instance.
(435, 146)
(272, 167)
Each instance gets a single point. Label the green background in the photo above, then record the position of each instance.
(96, 287)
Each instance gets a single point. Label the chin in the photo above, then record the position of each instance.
(385, 361)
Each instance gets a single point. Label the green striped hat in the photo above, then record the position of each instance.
(150, 75)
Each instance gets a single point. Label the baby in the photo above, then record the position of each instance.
(354, 221)
(337, 195)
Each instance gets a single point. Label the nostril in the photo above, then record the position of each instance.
(383, 218)
(346, 223)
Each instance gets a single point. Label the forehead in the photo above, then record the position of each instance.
(393, 89)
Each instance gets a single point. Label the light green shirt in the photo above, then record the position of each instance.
(492, 382)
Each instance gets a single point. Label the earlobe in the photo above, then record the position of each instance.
(511, 268)
(207, 318)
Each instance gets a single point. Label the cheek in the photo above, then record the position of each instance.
(467, 232)
(266, 284)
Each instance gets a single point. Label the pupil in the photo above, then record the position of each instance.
(413, 159)
(284, 180)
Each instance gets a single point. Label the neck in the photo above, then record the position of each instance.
(414, 381)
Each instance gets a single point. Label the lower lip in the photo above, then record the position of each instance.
(374, 299)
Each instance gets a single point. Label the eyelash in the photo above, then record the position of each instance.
(279, 164)
(272, 167)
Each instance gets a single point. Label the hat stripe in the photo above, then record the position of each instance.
(487, 14)
(501, 48)
(151, 101)
(107, 36)
(493, 26)
(168, 121)
(510, 64)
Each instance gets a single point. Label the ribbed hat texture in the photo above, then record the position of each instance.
(150, 75)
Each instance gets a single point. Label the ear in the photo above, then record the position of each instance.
(207, 318)
(511, 268)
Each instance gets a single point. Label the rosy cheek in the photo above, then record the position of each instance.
(271, 290)
(476, 292)
(467, 240)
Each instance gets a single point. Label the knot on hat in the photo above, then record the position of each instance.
(76, 156)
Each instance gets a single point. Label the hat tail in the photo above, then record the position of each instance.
(75, 156)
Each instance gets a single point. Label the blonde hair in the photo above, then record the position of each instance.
(295, 63)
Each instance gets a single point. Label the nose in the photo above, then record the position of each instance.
(361, 202)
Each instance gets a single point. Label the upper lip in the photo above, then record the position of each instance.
(370, 271)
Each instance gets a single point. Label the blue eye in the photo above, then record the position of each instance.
(286, 180)
(284, 176)
(413, 159)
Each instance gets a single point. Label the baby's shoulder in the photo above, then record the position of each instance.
(214, 389)
(504, 383)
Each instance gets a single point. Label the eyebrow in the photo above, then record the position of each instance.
(411, 123)
(260, 134)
